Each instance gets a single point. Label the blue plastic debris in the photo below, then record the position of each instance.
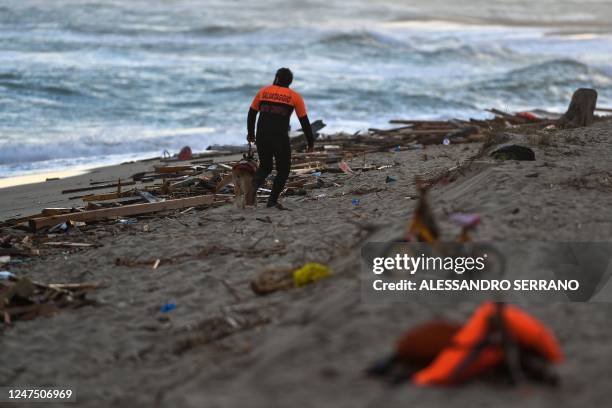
(167, 307)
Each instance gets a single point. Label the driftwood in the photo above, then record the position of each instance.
(172, 169)
(98, 187)
(108, 196)
(126, 210)
(299, 142)
(581, 109)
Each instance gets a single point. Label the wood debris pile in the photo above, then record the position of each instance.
(24, 299)
(182, 186)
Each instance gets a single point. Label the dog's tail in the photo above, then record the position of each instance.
(224, 182)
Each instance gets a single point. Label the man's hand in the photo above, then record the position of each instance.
(310, 149)
(251, 138)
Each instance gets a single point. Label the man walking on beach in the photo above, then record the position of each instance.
(275, 104)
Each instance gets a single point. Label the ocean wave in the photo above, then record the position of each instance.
(361, 38)
(551, 69)
(214, 30)
(467, 52)
(17, 83)
(10, 76)
(417, 48)
(221, 30)
(245, 89)
(544, 84)
(557, 72)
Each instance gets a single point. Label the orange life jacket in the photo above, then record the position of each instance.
(472, 351)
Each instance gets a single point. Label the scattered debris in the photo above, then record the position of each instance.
(365, 189)
(70, 244)
(345, 167)
(134, 209)
(167, 307)
(216, 328)
(467, 222)
(272, 280)
(311, 272)
(24, 299)
(423, 226)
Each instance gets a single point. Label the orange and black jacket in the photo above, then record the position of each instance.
(275, 105)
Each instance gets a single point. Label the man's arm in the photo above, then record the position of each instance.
(251, 118)
(307, 129)
(300, 110)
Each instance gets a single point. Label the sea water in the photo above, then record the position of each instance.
(84, 83)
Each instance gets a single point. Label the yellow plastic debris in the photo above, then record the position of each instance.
(309, 273)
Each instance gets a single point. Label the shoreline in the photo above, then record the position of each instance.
(25, 199)
(42, 177)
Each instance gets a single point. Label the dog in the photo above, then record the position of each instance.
(242, 176)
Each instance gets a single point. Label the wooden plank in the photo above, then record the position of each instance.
(307, 165)
(15, 221)
(124, 211)
(69, 244)
(97, 183)
(18, 252)
(375, 130)
(604, 109)
(108, 196)
(171, 169)
(55, 211)
(98, 187)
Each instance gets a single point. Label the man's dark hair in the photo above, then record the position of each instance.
(284, 77)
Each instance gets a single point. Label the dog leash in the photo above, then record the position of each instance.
(250, 152)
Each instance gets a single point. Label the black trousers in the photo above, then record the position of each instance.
(273, 148)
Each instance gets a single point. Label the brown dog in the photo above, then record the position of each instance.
(242, 177)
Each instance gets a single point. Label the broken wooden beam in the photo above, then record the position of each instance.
(69, 244)
(56, 211)
(108, 196)
(97, 187)
(172, 169)
(124, 211)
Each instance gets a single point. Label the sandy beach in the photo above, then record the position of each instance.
(306, 346)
